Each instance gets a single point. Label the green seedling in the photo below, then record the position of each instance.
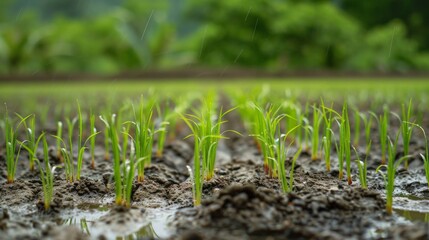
(362, 167)
(163, 123)
(123, 174)
(93, 131)
(267, 124)
(383, 126)
(281, 153)
(46, 176)
(291, 109)
(58, 137)
(206, 131)
(424, 156)
(144, 134)
(345, 141)
(357, 118)
(317, 119)
(300, 119)
(328, 135)
(113, 136)
(31, 138)
(407, 130)
(208, 128)
(306, 128)
(344, 153)
(125, 140)
(12, 155)
(106, 145)
(71, 172)
(391, 171)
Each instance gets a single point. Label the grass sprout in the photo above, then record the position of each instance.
(93, 131)
(31, 138)
(357, 118)
(392, 166)
(208, 126)
(46, 175)
(407, 130)
(72, 173)
(328, 135)
(144, 134)
(106, 145)
(267, 124)
(206, 131)
(344, 152)
(58, 137)
(281, 154)
(123, 174)
(362, 167)
(345, 141)
(162, 124)
(383, 127)
(424, 156)
(12, 154)
(317, 120)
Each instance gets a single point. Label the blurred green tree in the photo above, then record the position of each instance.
(274, 34)
(414, 14)
(387, 48)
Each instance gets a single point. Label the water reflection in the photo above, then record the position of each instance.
(153, 225)
(146, 232)
(414, 216)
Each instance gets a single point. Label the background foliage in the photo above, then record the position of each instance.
(114, 36)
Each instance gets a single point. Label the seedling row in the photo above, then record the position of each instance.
(284, 127)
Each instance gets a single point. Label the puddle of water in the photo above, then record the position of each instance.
(83, 214)
(414, 216)
(152, 224)
(412, 197)
(412, 208)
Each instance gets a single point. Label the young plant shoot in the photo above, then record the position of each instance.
(424, 156)
(162, 125)
(11, 141)
(93, 131)
(357, 118)
(206, 131)
(328, 135)
(383, 122)
(59, 136)
(123, 176)
(407, 130)
(267, 124)
(392, 165)
(281, 153)
(144, 133)
(346, 139)
(31, 138)
(72, 173)
(317, 119)
(106, 145)
(344, 152)
(46, 175)
(362, 167)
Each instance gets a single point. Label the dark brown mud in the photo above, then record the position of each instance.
(240, 202)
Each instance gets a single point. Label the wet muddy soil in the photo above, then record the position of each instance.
(240, 202)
